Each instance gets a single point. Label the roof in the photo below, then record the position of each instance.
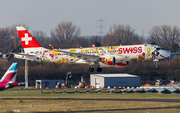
(50, 80)
(115, 75)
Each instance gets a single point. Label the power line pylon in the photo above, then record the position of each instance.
(100, 27)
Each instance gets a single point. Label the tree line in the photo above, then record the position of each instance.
(67, 35)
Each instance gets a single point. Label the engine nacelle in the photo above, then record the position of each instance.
(112, 61)
(107, 61)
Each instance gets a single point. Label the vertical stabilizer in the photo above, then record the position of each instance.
(11, 73)
(27, 40)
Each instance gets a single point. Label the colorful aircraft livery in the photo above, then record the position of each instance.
(9, 78)
(109, 56)
(130, 50)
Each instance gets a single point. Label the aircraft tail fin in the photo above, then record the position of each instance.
(27, 40)
(11, 73)
(52, 46)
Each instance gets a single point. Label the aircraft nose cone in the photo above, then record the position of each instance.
(167, 54)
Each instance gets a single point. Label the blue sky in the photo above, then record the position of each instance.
(44, 15)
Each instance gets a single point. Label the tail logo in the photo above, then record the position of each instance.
(26, 39)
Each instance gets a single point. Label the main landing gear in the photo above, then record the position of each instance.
(91, 69)
(99, 69)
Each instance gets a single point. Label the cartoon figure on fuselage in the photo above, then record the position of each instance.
(109, 56)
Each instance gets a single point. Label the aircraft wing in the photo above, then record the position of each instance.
(87, 58)
(23, 54)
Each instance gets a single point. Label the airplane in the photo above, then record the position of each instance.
(9, 78)
(108, 56)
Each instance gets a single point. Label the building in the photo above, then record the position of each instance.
(41, 84)
(118, 80)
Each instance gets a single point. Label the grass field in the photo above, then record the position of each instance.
(83, 105)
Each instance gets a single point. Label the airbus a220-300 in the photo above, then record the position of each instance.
(109, 56)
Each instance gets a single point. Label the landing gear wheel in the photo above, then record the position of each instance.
(99, 69)
(156, 63)
(157, 66)
(91, 69)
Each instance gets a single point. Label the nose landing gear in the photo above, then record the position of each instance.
(157, 66)
(156, 63)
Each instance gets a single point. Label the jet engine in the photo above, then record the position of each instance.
(107, 61)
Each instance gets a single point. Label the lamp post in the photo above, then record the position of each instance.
(26, 74)
(68, 75)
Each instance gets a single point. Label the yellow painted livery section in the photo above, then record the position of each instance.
(116, 47)
(55, 53)
(148, 50)
(72, 50)
(51, 50)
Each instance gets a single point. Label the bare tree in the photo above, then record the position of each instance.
(64, 33)
(13, 32)
(6, 42)
(95, 40)
(165, 36)
(15, 41)
(4, 34)
(39, 36)
(120, 34)
(80, 42)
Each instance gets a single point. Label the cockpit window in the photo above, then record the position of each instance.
(160, 49)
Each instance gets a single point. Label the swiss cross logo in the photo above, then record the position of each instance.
(26, 39)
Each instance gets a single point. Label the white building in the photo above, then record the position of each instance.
(122, 80)
(41, 84)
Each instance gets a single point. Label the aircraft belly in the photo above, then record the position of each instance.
(81, 61)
